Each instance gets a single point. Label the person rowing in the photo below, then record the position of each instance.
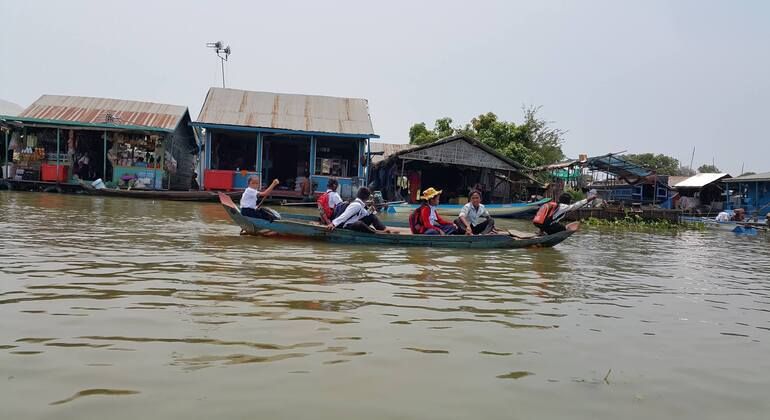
(550, 214)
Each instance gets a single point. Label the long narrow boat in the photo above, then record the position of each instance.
(313, 230)
(159, 195)
(495, 210)
(728, 226)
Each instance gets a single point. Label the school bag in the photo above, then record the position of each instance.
(339, 209)
(544, 215)
(415, 224)
(323, 204)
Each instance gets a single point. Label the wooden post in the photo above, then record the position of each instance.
(5, 165)
(58, 139)
(104, 158)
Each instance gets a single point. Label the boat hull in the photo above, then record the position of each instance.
(310, 230)
(160, 195)
(724, 226)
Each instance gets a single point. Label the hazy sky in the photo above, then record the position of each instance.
(642, 76)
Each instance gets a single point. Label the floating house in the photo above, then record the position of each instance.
(301, 140)
(702, 193)
(613, 177)
(9, 109)
(124, 143)
(751, 192)
(454, 165)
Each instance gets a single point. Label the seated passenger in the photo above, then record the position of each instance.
(739, 215)
(426, 220)
(357, 217)
(469, 222)
(249, 199)
(328, 201)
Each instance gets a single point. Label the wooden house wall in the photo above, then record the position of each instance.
(459, 152)
(182, 146)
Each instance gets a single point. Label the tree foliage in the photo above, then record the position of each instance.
(531, 143)
(748, 173)
(708, 169)
(660, 163)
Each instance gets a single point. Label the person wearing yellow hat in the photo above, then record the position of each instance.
(426, 220)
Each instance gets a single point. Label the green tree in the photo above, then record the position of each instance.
(660, 163)
(419, 134)
(748, 173)
(532, 143)
(708, 169)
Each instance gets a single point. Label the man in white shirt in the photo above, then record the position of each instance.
(469, 222)
(357, 217)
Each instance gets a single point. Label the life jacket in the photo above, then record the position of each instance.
(323, 204)
(544, 215)
(415, 220)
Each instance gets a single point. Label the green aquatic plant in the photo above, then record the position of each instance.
(636, 222)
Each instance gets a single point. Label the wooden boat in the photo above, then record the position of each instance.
(403, 237)
(495, 210)
(728, 226)
(159, 195)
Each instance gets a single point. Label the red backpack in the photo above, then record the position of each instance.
(545, 214)
(323, 204)
(415, 220)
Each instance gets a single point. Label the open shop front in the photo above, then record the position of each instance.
(339, 158)
(138, 160)
(36, 154)
(287, 159)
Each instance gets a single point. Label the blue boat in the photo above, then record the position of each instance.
(403, 237)
(495, 210)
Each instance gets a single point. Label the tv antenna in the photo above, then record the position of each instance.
(223, 53)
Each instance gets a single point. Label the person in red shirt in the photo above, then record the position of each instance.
(426, 219)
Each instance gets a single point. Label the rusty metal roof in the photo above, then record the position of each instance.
(86, 110)
(308, 113)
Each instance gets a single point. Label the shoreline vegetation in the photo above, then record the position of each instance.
(637, 223)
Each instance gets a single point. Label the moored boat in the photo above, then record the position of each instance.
(159, 195)
(495, 210)
(728, 226)
(298, 227)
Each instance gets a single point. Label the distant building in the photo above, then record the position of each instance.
(454, 165)
(129, 143)
(751, 192)
(10, 109)
(701, 193)
(301, 140)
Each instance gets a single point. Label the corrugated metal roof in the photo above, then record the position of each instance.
(765, 176)
(322, 114)
(700, 180)
(95, 110)
(9, 108)
(387, 150)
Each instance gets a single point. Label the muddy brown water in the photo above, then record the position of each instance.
(123, 309)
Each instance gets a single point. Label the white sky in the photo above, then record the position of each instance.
(642, 76)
